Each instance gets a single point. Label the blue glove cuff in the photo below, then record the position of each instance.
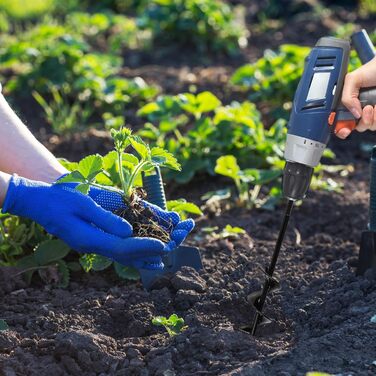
(10, 197)
(19, 188)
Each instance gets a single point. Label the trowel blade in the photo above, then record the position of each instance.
(179, 257)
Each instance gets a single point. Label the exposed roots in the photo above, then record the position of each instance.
(143, 219)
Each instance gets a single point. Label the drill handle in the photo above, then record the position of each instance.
(345, 119)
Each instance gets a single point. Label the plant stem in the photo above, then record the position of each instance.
(105, 187)
(31, 269)
(255, 192)
(2, 230)
(121, 173)
(133, 177)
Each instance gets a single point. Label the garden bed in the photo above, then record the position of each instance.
(321, 315)
(101, 325)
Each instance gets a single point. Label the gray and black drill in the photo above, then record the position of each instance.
(316, 114)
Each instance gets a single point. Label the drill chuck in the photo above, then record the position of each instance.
(296, 180)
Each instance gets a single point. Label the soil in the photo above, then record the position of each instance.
(320, 315)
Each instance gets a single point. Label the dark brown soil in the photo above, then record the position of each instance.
(321, 314)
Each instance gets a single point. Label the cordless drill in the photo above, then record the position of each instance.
(316, 113)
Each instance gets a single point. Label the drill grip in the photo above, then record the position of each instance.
(345, 119)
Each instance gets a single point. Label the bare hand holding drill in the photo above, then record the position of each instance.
(365, 76)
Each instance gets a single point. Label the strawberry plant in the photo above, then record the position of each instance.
(47, 261)
(198, 129)
(118, 169)
(201, 24)
(248, 182)
(52, 59)
(17, 237)
(245, 179)
(26, 245)
(63, 116)
(274, 77)
(124, 170)
(174, 324)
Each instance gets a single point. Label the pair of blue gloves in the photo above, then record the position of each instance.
(87, 223)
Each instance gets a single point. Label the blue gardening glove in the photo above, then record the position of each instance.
(80, 222)
(170, 221)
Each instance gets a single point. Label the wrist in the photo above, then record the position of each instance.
(21, 195)
(4, 185)
(50, 175)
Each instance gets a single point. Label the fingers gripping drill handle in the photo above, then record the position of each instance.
(343, 118)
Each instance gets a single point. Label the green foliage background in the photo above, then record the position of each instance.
(69, 61)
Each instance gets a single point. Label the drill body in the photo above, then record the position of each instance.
(317, 112)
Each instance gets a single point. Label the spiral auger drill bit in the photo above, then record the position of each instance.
(271, 282)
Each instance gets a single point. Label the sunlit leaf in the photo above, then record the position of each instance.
(163, 158)
(227, 166)
(90, 165)
(140, 146)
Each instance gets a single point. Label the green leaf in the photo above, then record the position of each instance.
(110, 175)
(159, 321)
(126, 272)
(174, 324)
(86, 261)
(3, 325)
(64, 275)
(129, 161)
(148, 109)
(227, 166)
(182, 207)
(121, 138)
(71, 166)
(73, 177)
(28, 262)
(50, 251)
(230, 231)
(207, 102)
(83, 188)
(90, 165)
(141, 147)
(163, 158)
(259, 177)
(100, 263)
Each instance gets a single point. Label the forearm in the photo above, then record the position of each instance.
(21, 152)
(4, 183)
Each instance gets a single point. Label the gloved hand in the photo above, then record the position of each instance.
(81, 223)
(170, 221)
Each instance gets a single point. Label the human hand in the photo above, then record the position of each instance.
(81, 222)
(170, 221)
(365, 76)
